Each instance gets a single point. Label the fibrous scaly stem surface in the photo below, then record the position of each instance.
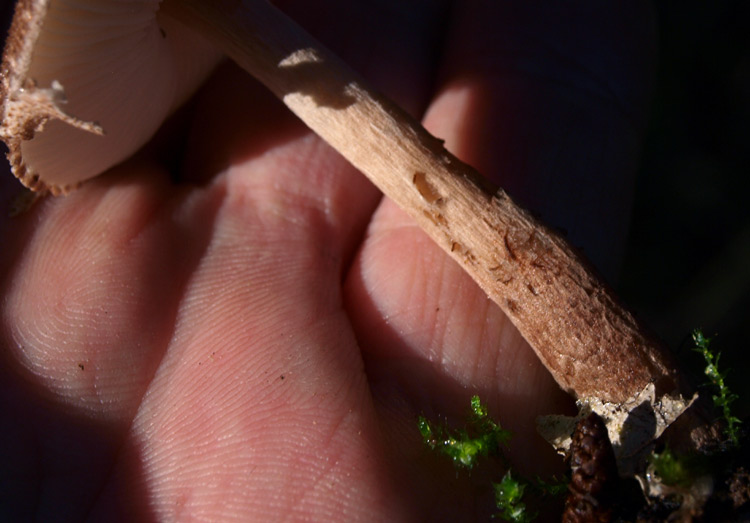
(592, 346)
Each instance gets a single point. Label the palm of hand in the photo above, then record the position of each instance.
(257, 344)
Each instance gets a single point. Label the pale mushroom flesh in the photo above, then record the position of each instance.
(86, 83)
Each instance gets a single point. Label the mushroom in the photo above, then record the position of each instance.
(590, 343)
(70, 64)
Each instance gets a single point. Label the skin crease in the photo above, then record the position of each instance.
(233, 325)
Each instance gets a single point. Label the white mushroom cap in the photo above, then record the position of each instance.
(85, 83)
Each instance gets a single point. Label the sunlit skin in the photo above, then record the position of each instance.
(234, 324)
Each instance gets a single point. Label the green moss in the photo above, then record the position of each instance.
(724, 398)
(671, 469)
(485, 437)
(482, 438)
(508, 498)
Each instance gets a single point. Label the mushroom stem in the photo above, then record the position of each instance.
(593, 347)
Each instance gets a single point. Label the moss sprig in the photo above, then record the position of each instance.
(483, 437)
(724, 398)
(672, 469)
(509, 499)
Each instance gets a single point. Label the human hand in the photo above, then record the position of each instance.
(256, 340)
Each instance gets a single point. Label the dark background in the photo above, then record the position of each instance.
(688, 257)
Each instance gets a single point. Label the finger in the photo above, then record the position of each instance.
(90, 286)
(549, 103)
(260, 398)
